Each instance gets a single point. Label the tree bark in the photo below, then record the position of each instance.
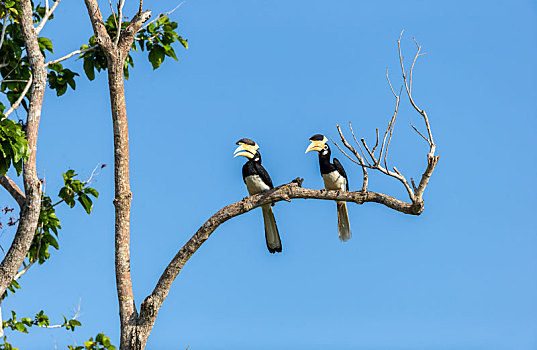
(116, 55)
(29, 214)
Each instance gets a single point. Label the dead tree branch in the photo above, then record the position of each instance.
(415, 193)
(293, 190)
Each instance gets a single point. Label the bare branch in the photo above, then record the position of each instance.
(166, 14)
(94, 173)
(21, 97)
(120, 5)
(13, 189)
(375, 147)
(431, 158)
(426, 139)
(46, 17)
(293, 190)
(358, 143)
(356, 154)
(408, 86)
(69, 55)
(114, 14)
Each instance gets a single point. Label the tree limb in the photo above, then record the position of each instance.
(69, 55)
(293, 190)
(13, 189)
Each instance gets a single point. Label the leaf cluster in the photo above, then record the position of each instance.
(13, 145)
(40, 320)
(15, 69)
(157, 39)
(101, 342)
(47, 232)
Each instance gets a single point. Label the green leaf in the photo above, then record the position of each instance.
(92, 191)
(21, 327)
(86, 202)
(183, 42)
(45, 44)
(156, 56)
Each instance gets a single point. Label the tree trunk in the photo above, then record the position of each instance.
(29, 214)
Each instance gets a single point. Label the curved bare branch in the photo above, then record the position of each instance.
(293, 190)
(13, 189)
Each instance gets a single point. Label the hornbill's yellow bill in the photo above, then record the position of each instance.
(245, 150)
(316, 145)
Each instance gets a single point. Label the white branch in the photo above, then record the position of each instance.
(69, 55)
(21, 97)
(46, 17)
(166, 14)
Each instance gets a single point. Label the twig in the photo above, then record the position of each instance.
(375, 147)
(69, 55)
(93, 174)
(426, 139)
(21, 97)
(160, 15)
(46, 17)
(113, 13)
(357, 155)
(120, 5)
(358, 143)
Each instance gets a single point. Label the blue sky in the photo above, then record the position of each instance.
(460, 276)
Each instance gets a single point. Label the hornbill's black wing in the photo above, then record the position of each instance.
(264, 175)
(341, 171)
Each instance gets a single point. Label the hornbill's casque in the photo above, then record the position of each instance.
(335, 178)
(258, 180)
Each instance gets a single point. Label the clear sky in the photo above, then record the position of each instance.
(460, 276)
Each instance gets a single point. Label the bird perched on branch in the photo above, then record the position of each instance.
(257, 180)
(335, 178)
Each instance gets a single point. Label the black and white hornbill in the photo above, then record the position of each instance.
(258, 180)
(335, 178)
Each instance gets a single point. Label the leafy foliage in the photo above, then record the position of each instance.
(13, 145)
(59, 78)
(47, 232)
(40, 320)
(14, 65)
(157, 39)
(101, 342)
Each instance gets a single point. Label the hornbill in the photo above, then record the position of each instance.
(335, 178)
(258, 180)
